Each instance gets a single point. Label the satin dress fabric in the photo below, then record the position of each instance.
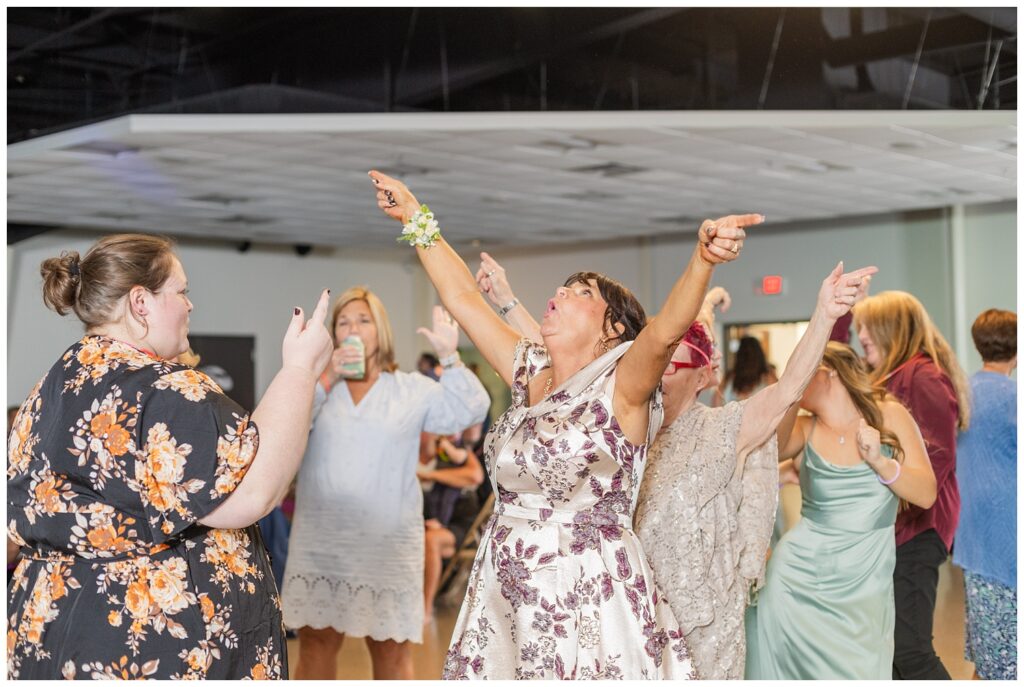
(827, 609)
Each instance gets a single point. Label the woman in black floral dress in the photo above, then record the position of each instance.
(133, 485)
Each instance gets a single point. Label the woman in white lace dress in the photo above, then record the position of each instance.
(355, 558)
(560, 587)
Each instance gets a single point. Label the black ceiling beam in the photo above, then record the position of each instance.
(68, 31)
(277, 19)
(900, 41)
(495, 68)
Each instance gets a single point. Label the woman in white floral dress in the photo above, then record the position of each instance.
(561, 587)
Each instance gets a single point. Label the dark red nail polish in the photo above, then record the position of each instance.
(296, 311)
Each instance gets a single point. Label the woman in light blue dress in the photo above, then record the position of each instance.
(827, 610)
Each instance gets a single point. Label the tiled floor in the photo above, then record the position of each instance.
(354, 660)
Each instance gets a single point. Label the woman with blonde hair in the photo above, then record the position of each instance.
(134, 485)
(826, 609)
(909, 357)
(355, 559)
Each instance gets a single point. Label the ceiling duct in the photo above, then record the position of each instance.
(888, 78)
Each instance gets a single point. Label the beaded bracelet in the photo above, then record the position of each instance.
(899, 469)
(421, 229)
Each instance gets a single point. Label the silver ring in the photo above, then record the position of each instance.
(735, 247)
(491, 273)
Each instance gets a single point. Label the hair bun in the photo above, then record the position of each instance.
(61, 277)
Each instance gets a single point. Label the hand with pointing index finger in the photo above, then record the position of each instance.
(493, 281)
(839, 292)
(308, 345)
(721, 240)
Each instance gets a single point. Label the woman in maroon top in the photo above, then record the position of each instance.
(910, 357)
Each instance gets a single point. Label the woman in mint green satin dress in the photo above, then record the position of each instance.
(827, 610)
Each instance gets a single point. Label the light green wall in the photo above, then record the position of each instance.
(927, 250)
(990, 267)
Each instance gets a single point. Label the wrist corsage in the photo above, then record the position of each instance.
(421, 229)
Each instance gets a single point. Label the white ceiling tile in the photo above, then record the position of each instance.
(528, 183)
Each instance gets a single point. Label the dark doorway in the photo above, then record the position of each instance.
(228, 360)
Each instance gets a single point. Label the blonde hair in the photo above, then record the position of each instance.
(901, 328)
(92, 285)
(385, 340)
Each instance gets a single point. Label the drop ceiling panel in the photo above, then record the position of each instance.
(514, 178)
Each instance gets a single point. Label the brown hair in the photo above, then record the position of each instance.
(867, 397)
(901, 328)
(623, 307)
(995, 335)
(385, 341)
(92, 285)
(749, 366)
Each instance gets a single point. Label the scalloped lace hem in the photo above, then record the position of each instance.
(358, 610)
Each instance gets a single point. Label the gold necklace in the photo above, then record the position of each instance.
(547, 386)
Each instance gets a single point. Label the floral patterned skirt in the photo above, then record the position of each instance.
(550, 598)
(206, 612)
(991, 642)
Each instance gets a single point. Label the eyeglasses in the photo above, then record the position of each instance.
(680, 365)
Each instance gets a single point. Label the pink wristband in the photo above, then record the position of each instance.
(899, 469)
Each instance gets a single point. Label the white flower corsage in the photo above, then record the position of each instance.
(421, 229)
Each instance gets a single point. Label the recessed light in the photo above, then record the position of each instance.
(906, 145)
(245, 219)
(685, 220)
(590, 195)
(219, 199)
(610, 169)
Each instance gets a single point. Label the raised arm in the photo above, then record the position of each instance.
(766, 409)
(493, 282)
(641, 367)
(914, 479)
(716, 297)
(495, 340)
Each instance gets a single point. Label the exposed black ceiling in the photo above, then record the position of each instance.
(70, 66)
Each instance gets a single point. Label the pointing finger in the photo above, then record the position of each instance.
(320, 313)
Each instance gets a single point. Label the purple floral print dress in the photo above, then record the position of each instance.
(560, 588)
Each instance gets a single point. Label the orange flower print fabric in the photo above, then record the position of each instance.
(112, 460)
